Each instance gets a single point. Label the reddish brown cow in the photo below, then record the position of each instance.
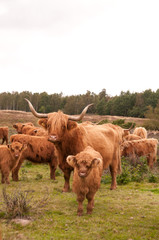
(29, 129)
(4, 134)
(88, 168)
(70, 138)
(39, 150)
(9, 158)
(143, 147)
(19, 126)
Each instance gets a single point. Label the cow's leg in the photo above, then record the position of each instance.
(16, 171)
(3, 140)
(90, 206)
(151, 159)
(6, 140)
(80, 200)
(52, 171)
(113, 171)
(67, 174)
(5, 177)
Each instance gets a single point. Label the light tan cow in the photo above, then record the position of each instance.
(140, 131)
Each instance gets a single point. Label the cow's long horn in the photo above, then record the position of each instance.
(38, 115)
(78, 118)
(131, 126)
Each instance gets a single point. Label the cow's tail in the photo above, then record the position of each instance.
(119, 163)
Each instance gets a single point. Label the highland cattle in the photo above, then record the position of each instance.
(140, 131)
(29, 129)
(88, 168)
(70, 138)
(9, 158)
(142, 147)
(39, 150)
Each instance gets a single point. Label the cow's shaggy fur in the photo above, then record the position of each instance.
(140, 131)
(4, 134)
(9, 159)
(39, 150)
(29, 129)
(142, 147)
(88, 167)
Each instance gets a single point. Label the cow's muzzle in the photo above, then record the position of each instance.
(53, 139)
(82, 174)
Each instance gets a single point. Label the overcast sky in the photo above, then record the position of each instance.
(72, 46)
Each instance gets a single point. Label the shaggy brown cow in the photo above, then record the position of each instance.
(70, 138)
(88, 168)
(29, 129)
(36, 131)
(140, 131)
(19, 126)
(142, 147)
(9, 158)
(39, 150)
(4, 134)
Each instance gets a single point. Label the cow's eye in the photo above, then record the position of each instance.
(77, 165)
(63, 128)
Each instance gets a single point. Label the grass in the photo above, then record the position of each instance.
(130, 212)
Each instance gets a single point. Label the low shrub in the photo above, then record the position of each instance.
(123, 124)
(19, 203)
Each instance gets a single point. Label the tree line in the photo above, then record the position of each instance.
(126, 104)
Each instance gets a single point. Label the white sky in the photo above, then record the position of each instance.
(72, 46)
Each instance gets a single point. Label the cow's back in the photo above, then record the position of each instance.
(105, 140)
(39, 149)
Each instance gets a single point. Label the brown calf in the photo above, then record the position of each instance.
(39, 150)
(88, 167)
(9, 159)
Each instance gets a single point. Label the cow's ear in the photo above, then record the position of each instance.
(96, 161)
(43, 122)
(71, 125)
(71, 160)
(126, 132)
(25, 146)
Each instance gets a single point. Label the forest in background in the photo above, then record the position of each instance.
(126, 104)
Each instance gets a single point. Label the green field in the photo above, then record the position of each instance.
(130, 212)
